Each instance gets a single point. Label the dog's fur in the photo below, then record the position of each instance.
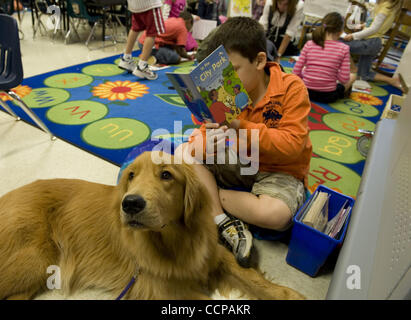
(82, 228)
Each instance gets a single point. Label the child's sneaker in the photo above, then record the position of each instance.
(145, 72)
(237, 238)
(127, 64)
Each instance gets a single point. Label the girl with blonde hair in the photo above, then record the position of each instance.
(367, 42)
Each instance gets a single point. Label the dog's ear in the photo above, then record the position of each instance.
(196, 197)
(121, 188)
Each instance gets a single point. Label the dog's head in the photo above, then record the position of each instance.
(153, 196)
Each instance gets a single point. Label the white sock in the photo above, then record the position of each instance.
(220, 218)
(142, 64)
(127, 56)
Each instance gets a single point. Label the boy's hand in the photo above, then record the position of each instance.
(215, 136)
(348, 37)
(235, 124)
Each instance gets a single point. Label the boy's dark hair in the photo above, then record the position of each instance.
(333, 22)
(187, 16)
(240, 34)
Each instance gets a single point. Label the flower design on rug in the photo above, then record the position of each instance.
(20, 90)
(120, 90)
(365, 98)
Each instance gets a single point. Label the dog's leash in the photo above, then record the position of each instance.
(129, 285)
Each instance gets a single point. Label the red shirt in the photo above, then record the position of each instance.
(175, 33)
(218, 110)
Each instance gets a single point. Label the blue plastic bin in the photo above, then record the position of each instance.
(309, 248)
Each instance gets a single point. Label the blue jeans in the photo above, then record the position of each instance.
(164, 55)
(367, 50)
(205, 10)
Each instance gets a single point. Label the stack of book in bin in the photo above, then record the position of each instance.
(315, 215)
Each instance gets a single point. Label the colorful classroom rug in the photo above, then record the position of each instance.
(108, 112)
(103, 109)
(336, 162)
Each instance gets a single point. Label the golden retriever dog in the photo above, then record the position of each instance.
(156, 220)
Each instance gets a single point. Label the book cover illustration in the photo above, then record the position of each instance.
(212, 91)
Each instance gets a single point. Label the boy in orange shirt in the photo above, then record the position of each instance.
(279, 112)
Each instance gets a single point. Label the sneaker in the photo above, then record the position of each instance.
(127, 64)
(236, 237)
(145, 73)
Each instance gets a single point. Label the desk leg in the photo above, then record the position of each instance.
(32, 12)
(104, 26)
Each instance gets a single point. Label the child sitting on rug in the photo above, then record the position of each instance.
(279, 114)
(367, 43)
(170, 45)
(173, 8)
(324, 62)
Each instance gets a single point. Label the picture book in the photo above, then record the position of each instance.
(202, 27)
(212, 91)
(335, 225)
(317, 215)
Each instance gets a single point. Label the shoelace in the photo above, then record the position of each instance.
(146, 69)
(232, 223)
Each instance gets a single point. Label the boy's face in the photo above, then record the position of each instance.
(248, 72)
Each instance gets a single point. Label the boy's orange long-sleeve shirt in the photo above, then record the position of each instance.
(281, 117)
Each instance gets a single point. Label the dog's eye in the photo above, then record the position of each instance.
(130, 176)
(166, 175)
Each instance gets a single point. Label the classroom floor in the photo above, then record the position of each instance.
(28, 154)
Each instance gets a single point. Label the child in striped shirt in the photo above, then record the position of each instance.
(324, 62)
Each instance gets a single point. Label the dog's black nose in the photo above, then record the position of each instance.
(133, 204)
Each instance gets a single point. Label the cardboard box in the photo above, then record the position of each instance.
(393, 106)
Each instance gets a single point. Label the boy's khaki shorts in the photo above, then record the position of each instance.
(274, 184)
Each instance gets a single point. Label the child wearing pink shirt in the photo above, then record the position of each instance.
(172, 9)
(324, 62)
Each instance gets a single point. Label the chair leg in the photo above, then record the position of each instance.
(8, 109)
(114, 40)
(120, 26)
(67, 36)
(113, 30)
(40, 25)
(91, 33)
(30, 113)
(71, 27)
(56, 28)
